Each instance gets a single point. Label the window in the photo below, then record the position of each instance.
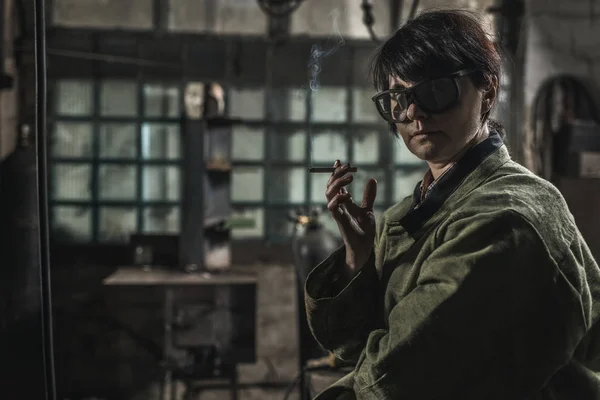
(116, 149)
(115, 159)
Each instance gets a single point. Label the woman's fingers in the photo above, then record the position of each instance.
(337, 185)
(335, 203)
(339, 171)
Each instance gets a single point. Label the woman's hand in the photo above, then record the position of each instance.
(356, 223)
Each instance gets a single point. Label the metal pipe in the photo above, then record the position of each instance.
(42, 184)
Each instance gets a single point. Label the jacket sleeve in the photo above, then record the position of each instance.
(340, 312)
(492, 317)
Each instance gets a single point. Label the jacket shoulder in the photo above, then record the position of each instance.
(515, 189)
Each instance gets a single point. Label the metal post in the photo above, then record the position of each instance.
(192, 233)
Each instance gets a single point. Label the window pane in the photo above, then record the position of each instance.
(248, 144)
(287, 185)
(328, 147)
(117, 223)
(403, 156)
(161, 141)
(118, 99)
(366, 147)
(72, 181)
(247, 223)
(329, 104)
(72, 139)
(288, 146)
(161, 220)
(405, 182)
(357, 187)
(117, 182)
(161, 183)
(247, 103)
(288, 104)
(318, 183)
(363, 109)
(71, 224)
(74, 97)
(247, 184)
(118, 141)
(161, 100)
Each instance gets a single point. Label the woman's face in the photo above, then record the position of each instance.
(439, 138)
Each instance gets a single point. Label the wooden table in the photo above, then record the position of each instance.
(170, 280)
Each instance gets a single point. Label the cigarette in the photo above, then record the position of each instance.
(317, 170)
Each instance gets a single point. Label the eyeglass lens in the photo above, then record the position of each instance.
(435, 96)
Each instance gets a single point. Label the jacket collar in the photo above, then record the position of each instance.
(469, 172)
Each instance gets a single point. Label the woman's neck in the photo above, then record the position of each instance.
(437, 169)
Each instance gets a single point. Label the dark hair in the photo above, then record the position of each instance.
(436, 43)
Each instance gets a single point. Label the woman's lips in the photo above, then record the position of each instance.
(422, 133)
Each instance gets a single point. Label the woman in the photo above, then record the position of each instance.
(479, 286)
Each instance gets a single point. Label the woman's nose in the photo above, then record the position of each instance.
(415, 112)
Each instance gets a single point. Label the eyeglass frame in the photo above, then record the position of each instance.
(454, 76)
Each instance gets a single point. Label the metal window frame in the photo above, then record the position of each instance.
(68, 38)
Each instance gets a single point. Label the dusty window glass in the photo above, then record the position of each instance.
(118, 98)
(161, 141)
(117, 223)
(72, 181)
(405, 182)
(318, 185)
(329, 104)
(327, 146)
(288, 145)
(247, 184)
(248, 143)
(74, 97)
(288, 104)
(72, 139)
(161, 100)
(136, 14)
(248, 222)
(161, 183)
(162, 220)
(118, 140)
(71, 224)
(287, 185)
(246, 103)
(366, 147)
(363, 108)
(117, 182)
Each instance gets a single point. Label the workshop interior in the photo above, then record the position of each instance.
(161, 188)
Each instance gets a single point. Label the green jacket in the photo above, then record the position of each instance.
(486, 290)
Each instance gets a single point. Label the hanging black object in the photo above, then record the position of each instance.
(42, 185)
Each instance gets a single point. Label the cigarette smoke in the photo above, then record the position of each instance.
(317, 54)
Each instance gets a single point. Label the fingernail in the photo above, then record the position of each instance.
(336, 163)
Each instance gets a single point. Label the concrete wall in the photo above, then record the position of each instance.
(563, 37)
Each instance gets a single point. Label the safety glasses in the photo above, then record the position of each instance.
(432, 96)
